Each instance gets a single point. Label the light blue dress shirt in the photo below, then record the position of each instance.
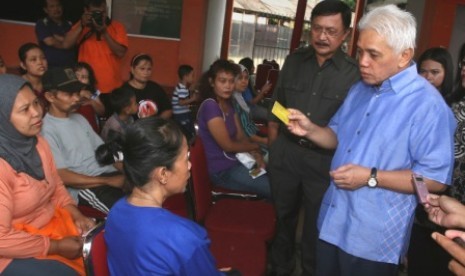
(403, 124)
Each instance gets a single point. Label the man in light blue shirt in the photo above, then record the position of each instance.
(392, 124)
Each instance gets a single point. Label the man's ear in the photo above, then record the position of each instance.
(406, 57)
(21, 64)
(49, 96)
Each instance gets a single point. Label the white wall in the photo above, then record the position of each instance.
(213, 32)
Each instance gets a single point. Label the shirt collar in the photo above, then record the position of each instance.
(398, 82)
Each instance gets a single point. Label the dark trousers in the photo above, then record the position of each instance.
(31, 266)
(299, 177)
(425, 257)
(332, 261)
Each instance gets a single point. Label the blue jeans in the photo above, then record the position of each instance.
(186, 123)
(238, 178)
(32, 266)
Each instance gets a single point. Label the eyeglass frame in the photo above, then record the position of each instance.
(327, 31)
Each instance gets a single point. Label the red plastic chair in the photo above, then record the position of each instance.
(179, 205)
(237, 216)
(262, 75)
(238, 229)
(88, 112)
(91, 212)
(94, 252)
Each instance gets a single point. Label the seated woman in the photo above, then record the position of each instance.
(40, 226)
(150, 96)
(32, 66)
(142, 237)
(254, 98)
(243, 110)
(222, 135)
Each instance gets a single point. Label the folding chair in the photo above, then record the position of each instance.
(94, 252)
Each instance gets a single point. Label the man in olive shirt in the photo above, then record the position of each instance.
(314, 80)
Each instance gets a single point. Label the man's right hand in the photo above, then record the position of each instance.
(299, 124)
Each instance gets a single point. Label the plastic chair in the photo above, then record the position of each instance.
(94, 252)
(91, 212)
(237, 216)
(180, 204)
(238, 229)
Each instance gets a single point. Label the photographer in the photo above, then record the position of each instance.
(102, 43)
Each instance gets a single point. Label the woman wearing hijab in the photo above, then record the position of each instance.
(40, 226)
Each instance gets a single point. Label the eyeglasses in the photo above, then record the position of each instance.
(318, 30)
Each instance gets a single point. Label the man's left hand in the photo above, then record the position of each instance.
(350, 176)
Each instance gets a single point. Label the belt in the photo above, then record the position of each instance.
(305, 143)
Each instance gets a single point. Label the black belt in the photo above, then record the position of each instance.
(305, 143)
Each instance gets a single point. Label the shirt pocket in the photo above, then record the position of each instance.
(295, 96)
(329, 103)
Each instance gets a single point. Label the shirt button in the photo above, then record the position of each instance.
(349, 150)
(313, 93)
(358, 132)
(308, 114)
(368, 114)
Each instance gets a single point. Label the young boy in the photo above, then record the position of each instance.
(181, 100)
(123, 102)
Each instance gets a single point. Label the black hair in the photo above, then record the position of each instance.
(92, 86)
(184, 70)
(147, 144)
(327, 7)
(120, 98)
(22, 53)
(248, 63)
(220, 65)
(137, 59)
(94, 3)
(459, 90)
(442, 56)
(45, 3)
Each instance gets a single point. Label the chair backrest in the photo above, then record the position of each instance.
(273, 75)
(262, 75)
(91, 212)
(178, 204)
(88, 112)
(94, 251)
(200, 180)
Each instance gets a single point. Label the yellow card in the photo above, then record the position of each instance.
(281, 112)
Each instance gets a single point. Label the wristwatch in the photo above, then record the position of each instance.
(373, 181)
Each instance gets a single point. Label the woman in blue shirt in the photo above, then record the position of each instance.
(142, 237)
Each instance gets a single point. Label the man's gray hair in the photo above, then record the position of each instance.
(398, 27)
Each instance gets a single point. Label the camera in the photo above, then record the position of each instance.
(98, 17)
